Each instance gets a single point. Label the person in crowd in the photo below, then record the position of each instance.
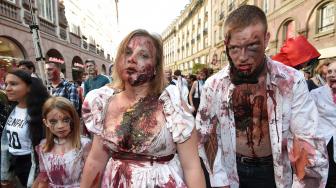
(95, 80)
(110, 73)
(195, 91)
(84, 78)
(3, 72)
(61, 87)
(23, 129)
(143, 125)
(168, 76)
(191, 79)
(5, 109)
(28, 66)
(209, 72)
(256, 117)
(325, 99)
(63, 153)
(320, 77)
(182, 85)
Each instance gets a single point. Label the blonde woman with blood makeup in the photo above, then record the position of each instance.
(140, 126)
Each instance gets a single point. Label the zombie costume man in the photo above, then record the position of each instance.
(256, 117)
(61, 87)
(325, 100)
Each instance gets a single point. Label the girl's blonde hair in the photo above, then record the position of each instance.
(158, 83)
(64, 105)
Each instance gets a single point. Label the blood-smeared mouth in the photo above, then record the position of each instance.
(333, 83)
(245, 68)
(131, 70)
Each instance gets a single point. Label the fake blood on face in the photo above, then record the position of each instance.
(139, 61)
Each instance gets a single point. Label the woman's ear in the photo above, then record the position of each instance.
(45, 123)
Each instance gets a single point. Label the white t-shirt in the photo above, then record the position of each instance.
(19, 142)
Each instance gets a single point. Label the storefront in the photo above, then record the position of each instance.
(77, 68)
(10, 54)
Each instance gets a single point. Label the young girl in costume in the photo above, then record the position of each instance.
(62, 154)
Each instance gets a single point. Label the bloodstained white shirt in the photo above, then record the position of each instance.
(327, 113)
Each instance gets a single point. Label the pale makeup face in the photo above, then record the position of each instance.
(247, 47)
(331, 76)
(58, 122)
(90, 68)
(138, 65)
(16, 89)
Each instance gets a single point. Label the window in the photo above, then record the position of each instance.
(46, 9)
(266, 6)
(231, 4)
(206, 42)
(215, 37)
(221, 33)
(326, 17)
(74, 29)
(289, 30)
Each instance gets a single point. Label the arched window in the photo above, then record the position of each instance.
(288, 30)
(103, 69)
(77, 68)
(326, 17)
(10, 55)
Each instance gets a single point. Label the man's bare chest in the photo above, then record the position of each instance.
(251, 119)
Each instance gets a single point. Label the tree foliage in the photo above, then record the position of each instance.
(197, 67)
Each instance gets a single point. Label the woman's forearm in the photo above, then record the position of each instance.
(92, 173)
(194, 178)
(95, 164)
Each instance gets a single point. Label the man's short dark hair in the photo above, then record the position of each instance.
(29, 64)
(177, 72)
(90, 61)
(243, 17)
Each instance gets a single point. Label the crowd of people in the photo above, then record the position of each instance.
(255, 123)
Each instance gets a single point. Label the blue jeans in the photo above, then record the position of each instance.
(255, 175)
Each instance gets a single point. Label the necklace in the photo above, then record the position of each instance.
(59, 142)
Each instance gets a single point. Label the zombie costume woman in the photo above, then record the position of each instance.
(143, 145)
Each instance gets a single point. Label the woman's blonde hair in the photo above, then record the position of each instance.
(323, 62)
(158, 83)
(64, 105)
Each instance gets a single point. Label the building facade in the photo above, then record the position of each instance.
(187, 40)
(70, 47)
(315, 19)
